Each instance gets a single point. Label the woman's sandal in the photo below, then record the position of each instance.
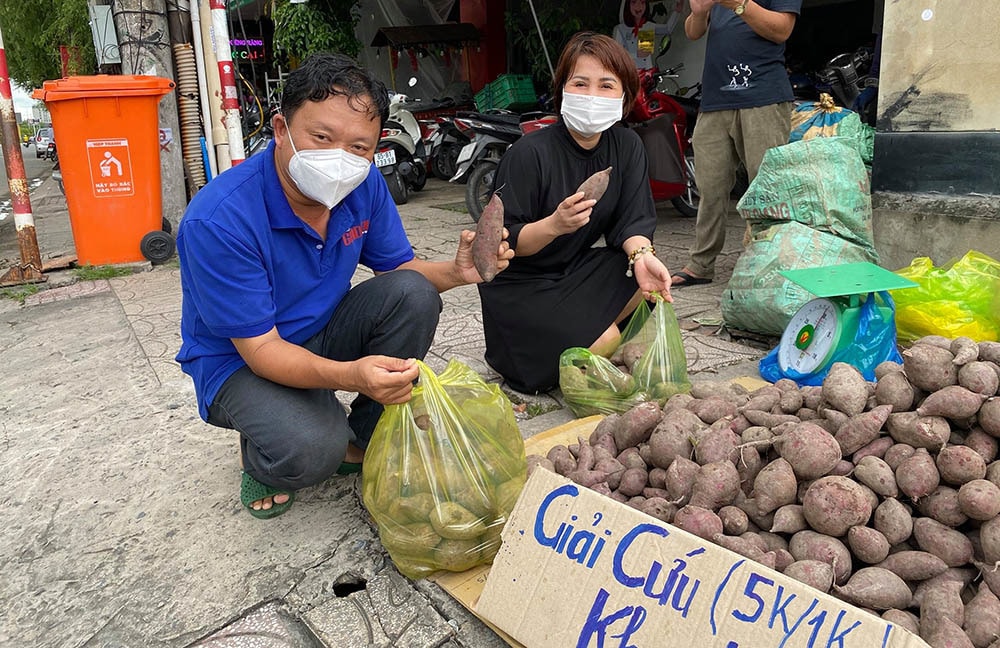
(687, 279)
(252, 491)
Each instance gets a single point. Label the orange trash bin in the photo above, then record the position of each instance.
(108, 143)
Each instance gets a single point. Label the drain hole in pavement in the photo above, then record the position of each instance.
(346, 589)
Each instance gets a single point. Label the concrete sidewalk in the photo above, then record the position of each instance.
(124, 526)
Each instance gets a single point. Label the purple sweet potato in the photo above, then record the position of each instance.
(814, 573)
(637, 424)
(917, 476)
(894, 389)
(989, 416)
(951, 546)
(989, 351)
(875, 588)
(914, 565)
(538, 461)
(659, 508)
(712, 409)
(633, 481)
(734, 520)
(930, 367)
(989, 538)
(876, 448)
(593, 188)
(809, 449)
(699, 521)
(934, 340)
(810, 545)
(893, 520)
(965, 350)
(979, 499)
(930, 432)
(680, 478)
(939, 603)
(860, 430)
(668, 442)
(489, 233)
(845, 389)
(876, 474)
(867, 544)
(832, 505)
(715, 485)
(631, 458)
(954, 402)
(979, 377)
(716, 445)
(887, 367)
(903, 619)
(791, 401)
(944, 633)
(789, 519)
(658, 478)
(775, 486)
(982, 617)
(982, 443)
(562, 459)
(959, 464)
(943, 505)
(897, 453)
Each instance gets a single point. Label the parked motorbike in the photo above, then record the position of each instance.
(445, 144)
(490, 135)
(664, 123)
(401, 153)
(50, 153)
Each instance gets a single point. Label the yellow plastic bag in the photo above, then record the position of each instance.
(959, 298)
(661, 370)
(443, 471)
(591, 384)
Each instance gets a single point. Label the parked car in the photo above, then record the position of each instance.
(42, 139)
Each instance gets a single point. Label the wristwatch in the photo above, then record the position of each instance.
(740, 8)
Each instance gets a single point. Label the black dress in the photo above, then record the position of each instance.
(569, 292)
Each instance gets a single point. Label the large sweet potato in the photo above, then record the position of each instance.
(832, 505)
(951, 546)
(845, 389)
(810, 450)
(489, 233)
(593, 188)
(876, 588)
(930, 367)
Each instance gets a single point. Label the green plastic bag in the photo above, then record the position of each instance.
(661, 370)
(443, 472)
(959, 298)
(591, 384)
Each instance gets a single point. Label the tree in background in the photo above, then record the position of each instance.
(33, 31)
(315, 26)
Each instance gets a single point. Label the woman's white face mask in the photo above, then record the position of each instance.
(589, 115)
(327, 175)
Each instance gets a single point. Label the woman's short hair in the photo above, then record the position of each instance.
(609, 53)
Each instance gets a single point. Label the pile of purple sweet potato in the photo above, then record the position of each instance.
(884, 494)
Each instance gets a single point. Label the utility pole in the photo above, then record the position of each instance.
(144, 45)
(30, 269)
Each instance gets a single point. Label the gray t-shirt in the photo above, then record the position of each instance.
(742, 69)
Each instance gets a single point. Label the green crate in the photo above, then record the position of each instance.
(513, 92)
(484, 99)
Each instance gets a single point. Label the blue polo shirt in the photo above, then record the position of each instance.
(249, 264)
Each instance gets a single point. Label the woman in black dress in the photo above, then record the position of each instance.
(564, 288)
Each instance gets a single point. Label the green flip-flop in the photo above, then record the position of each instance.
(252, 491)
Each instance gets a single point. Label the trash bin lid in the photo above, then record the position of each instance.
(103, 86)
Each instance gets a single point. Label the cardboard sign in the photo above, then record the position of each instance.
(580, 570)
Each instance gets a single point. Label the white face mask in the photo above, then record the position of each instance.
(327, 175)
(590, 114)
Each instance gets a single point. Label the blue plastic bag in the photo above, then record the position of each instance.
(874, 343)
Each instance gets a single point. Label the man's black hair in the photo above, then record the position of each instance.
(325, 74)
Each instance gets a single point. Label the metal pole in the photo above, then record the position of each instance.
(541, 37)
(30, 270)
(227, 73)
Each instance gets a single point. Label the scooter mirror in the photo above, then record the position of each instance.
(412, 82)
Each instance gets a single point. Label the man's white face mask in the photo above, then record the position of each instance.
(590, 114)
(327, 175)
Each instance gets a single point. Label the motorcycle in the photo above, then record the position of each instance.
(665, 123)
(50, 153)
(490, 135)
(401, 152)
(444, 146)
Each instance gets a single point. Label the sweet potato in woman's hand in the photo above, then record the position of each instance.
(595, 186)
(489, 233)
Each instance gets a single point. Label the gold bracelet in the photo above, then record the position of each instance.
(638, 252)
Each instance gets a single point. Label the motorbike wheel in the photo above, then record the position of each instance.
(397, 188)
(421, 178)
(480, 188)
(445, 162)
(687, 203)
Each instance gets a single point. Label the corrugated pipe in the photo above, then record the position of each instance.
(190, 116)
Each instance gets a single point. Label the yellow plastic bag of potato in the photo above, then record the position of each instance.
(443, 471)
(661, 370)
(961, 298)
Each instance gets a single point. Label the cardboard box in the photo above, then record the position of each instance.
(556, 581)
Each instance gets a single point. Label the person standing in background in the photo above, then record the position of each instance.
(746, 108)
(640, 36)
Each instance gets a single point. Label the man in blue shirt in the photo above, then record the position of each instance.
(271, 326)
(746, 108)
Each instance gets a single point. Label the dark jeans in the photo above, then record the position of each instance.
(292, 438)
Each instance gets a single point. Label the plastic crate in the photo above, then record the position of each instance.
(484, 99)
(513, 92)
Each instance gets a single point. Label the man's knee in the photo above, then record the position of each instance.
(416, 293)
(308, 463)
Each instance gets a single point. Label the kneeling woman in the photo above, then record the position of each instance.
(563, 289)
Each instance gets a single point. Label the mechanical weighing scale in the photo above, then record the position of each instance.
(824, 327)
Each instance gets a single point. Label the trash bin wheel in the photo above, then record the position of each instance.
(157, 246)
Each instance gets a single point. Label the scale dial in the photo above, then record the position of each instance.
(811, 337)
